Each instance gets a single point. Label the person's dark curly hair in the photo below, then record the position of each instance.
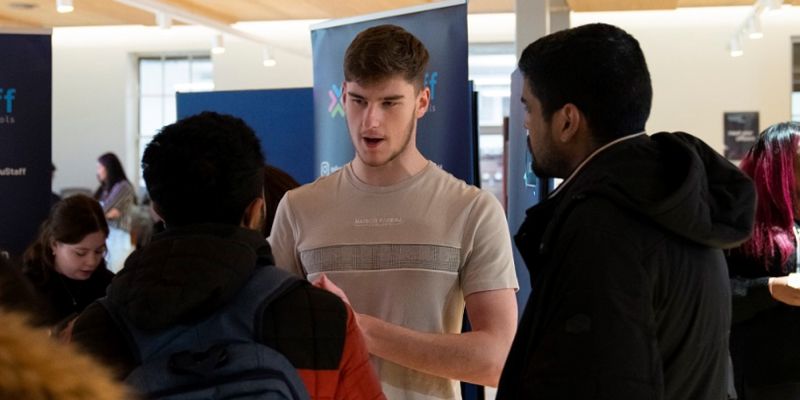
(206, 168)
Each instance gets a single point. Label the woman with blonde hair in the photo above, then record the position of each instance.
(33, 366)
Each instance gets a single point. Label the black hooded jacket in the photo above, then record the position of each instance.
(186, 274)
(630, 294)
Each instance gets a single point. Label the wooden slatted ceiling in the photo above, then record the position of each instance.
(108, 12)
(620, 5)
(628, 5)
(87, 12)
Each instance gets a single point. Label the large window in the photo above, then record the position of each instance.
(160, 78)
(490, 68)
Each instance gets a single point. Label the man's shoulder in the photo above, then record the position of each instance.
(323, 187)
(454, 187)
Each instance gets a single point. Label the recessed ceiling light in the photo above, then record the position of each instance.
(19, 5)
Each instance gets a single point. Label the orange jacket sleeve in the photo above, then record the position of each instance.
(357, 378)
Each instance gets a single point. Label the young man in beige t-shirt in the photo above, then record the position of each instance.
(409, 245)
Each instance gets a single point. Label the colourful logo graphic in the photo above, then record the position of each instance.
(335, 106)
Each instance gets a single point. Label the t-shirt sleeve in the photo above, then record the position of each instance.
(282, 238)
(489, 261)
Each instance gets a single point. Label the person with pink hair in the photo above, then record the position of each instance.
(765, 330)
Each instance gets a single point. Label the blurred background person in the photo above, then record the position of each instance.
(276, 183)
(118, 198)
(66, 264)
(765, 331)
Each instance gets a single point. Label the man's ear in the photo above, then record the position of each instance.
(255, 214)
(423, 100)
(567, 122)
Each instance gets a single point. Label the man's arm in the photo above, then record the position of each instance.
(477, 356)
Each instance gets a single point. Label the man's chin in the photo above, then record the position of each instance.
(538, 171)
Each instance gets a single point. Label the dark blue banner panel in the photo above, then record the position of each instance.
(282, 119)
(443, 134)
(25, 137)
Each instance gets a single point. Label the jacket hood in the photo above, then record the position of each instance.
(679, 183)
(187, 273)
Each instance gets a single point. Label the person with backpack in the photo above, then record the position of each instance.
(201, 312)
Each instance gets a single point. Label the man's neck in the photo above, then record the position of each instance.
(394, 172)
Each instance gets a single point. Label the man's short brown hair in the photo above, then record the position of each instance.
(385, 51)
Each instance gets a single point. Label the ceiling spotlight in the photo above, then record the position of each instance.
(64, 6)
(735, 47)
(268, 60)
(754, 28)
(217, 46)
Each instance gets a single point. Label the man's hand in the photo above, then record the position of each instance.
(780, 290)
(324, 283)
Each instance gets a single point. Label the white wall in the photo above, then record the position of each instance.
(95, 94)
(694, 78)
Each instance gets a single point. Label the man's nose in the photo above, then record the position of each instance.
(373, 116)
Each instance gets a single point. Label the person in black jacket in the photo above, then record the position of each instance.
(204, 174)
(66, 263)
(630, 296)
(766, 307)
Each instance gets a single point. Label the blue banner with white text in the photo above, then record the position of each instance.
(25, 137)
(443, 134)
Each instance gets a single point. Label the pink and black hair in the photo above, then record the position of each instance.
(770, 163)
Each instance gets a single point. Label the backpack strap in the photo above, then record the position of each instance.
(122, 326)
(265, 285)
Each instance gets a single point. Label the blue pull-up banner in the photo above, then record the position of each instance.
(281, 118)
(443, 134)
(25, 137)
